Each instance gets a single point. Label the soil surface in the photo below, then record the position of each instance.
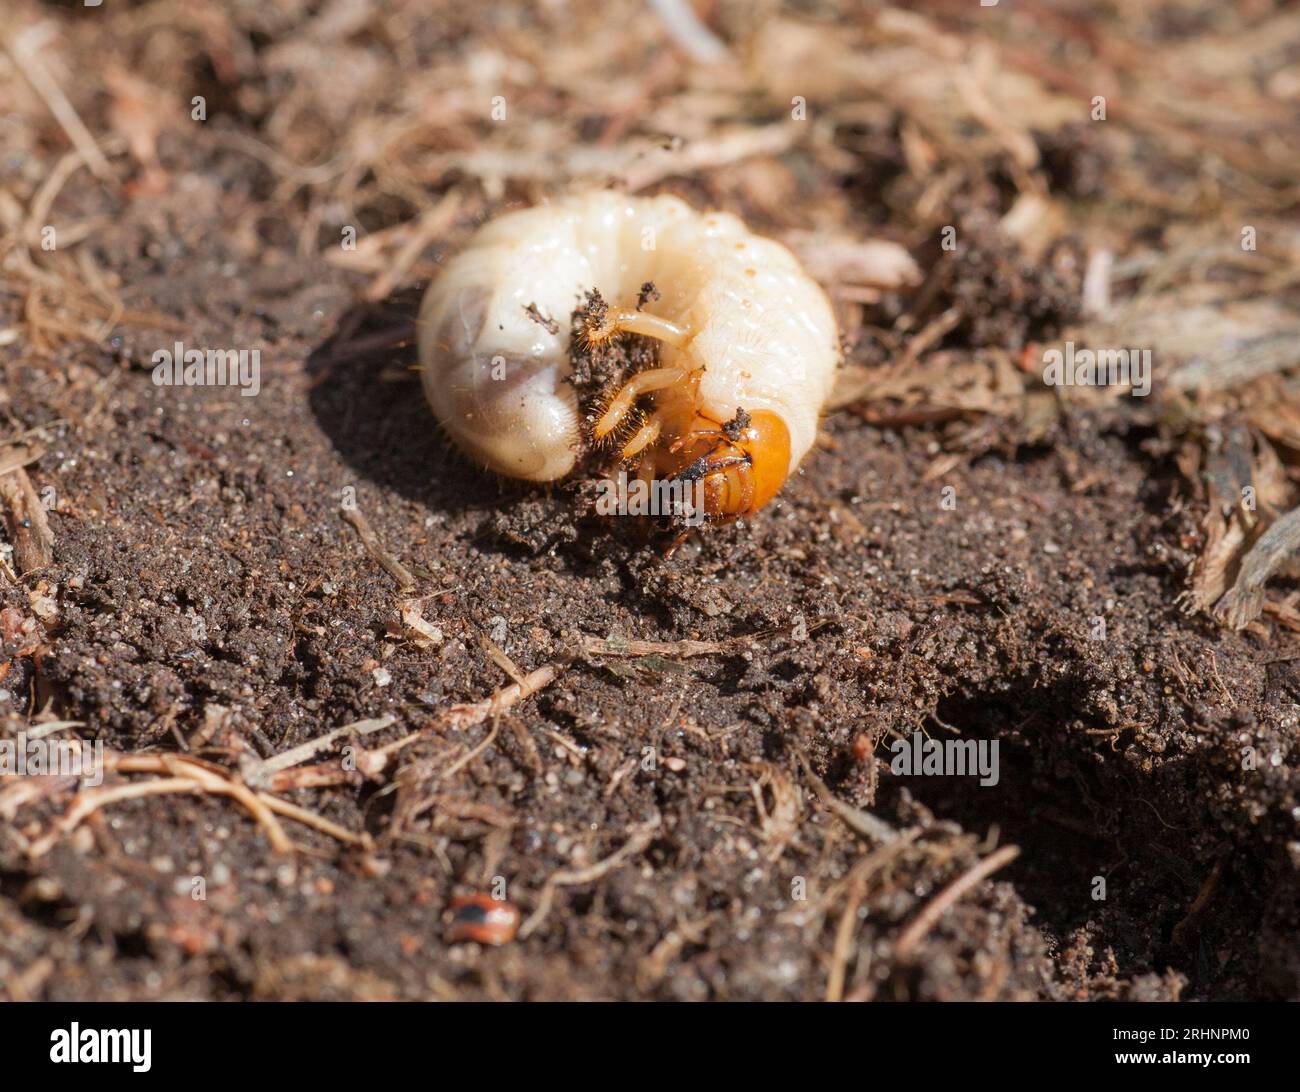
(679, 819)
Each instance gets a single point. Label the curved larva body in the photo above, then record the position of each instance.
(746, 328)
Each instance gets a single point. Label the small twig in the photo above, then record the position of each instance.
(190, 775)
(23, 49)
(566, 744)
(942, 902)
(40, 731)
(29, 529)
(460, 717)
(320, 776)
(90, 802)
(686, 29)
(469, 757)
(1199, 904)
(619, 646)
(394, 568)
(26, 789)
(19, 454)
(276, 773)
(304, 751)
(388, 338)
(431, 225)
(311, 819)
(642, 836)
(595, 646)
(927, 336)
(860, 822)
(498, 656)
(216, 718)
(856, 884)
(389, 749)
(223, 785)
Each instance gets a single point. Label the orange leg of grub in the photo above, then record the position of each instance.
(746, 475)
(642, 383)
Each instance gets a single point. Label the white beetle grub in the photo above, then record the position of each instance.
(747, 346)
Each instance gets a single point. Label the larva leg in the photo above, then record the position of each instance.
(676, 543)
(642, 383)
(646, 435)
(746, 474)
(620, 320)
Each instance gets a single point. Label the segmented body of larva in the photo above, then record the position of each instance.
(748, 345)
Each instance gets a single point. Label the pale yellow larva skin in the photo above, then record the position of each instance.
(761, 329)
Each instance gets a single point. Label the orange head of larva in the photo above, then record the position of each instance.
(740, 465)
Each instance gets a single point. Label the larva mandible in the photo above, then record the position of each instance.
(748, 345)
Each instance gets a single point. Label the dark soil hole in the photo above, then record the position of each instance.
(1085, 817)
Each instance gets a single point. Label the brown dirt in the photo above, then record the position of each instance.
(203, 573)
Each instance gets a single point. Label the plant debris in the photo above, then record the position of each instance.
(676, 773)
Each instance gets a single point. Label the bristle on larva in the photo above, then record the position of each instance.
(627, 427)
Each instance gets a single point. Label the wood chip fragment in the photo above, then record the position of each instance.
(1242, 603)
(26, 522)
